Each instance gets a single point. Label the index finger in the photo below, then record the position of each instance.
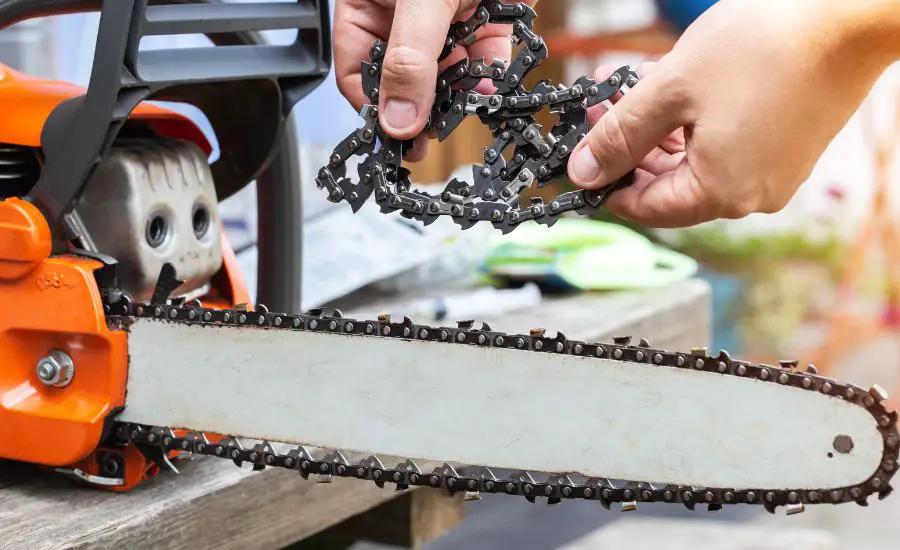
(357, 25)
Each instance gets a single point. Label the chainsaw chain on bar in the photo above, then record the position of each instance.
(121, 310)
(509, 112)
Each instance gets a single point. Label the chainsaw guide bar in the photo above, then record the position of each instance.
(555, 487)
(494, 198)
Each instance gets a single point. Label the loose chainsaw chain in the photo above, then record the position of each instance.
(481, 479)
(508, 113)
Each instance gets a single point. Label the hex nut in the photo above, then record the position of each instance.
(56, 369)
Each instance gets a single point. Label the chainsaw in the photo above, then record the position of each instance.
(129, 342)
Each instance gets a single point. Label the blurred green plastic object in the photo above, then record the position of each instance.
(586, 255)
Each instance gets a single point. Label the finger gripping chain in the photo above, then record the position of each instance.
(494, 195)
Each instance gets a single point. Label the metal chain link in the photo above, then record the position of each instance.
(495, 194)
(481, 479)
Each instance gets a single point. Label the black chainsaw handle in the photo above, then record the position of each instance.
(279, 180)
(246, 90)
(16, 11)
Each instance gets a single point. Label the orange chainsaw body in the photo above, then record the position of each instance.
(79, 224)
(54, 302)
(26, 102)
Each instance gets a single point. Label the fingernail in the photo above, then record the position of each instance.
(400, 114)
(585, 167)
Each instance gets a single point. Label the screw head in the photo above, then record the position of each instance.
(46, 370)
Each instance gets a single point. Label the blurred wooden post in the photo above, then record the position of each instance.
(552, 20)
(846, 330)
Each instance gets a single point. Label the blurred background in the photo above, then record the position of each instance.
(816, 282)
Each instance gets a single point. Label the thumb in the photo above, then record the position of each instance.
(674, 199)
(628, 132)
(410, 66)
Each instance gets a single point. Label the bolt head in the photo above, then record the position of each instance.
(56, 369)
(46, 370)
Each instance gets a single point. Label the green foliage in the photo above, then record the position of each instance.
(716, 249)
(713, 247)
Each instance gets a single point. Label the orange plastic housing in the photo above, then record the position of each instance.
(52, 303)
(27, 101)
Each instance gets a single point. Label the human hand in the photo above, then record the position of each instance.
(415, 31)
(735, 118)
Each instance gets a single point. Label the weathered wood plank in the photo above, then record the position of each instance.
(411, 521)
(212, 500)
(677, 315)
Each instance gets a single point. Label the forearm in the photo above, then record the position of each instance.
(870, 29)
(734, 119)
(838, 48)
